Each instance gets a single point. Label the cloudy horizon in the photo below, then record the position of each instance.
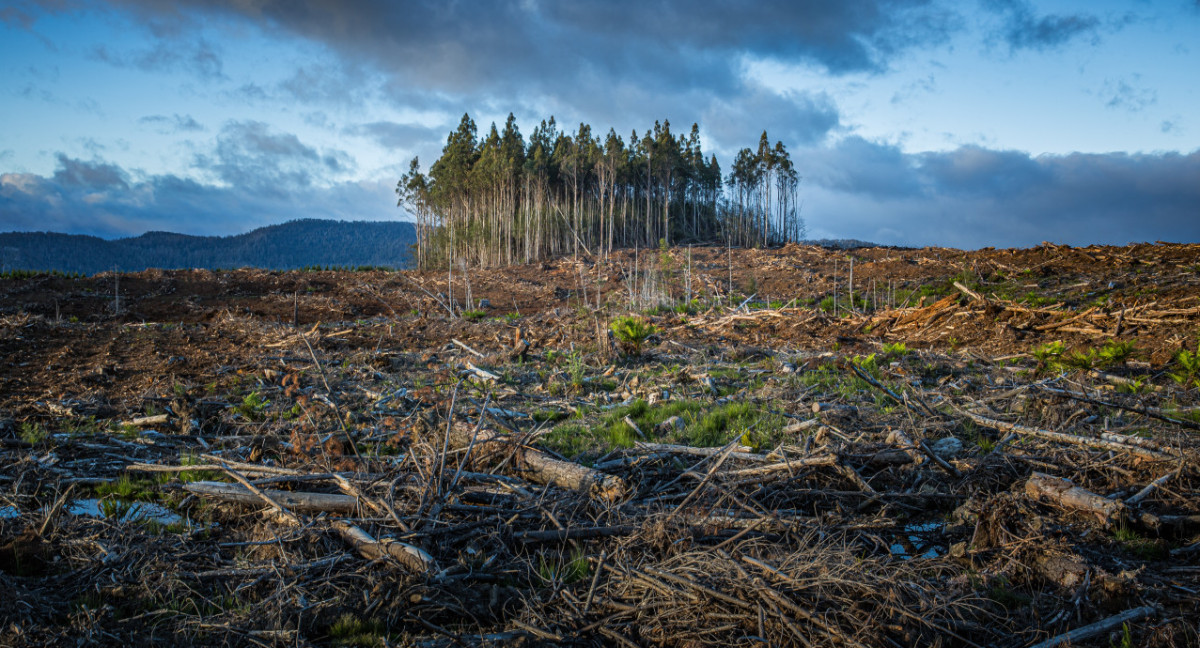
(991, 123)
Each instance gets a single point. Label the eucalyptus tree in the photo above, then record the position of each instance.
(501, 199)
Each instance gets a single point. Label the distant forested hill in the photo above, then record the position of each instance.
(295, 244)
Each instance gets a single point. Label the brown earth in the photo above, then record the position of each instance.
(359, 371)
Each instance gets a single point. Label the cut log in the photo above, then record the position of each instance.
(1078, 635)
(969, 293)
(1015, 428)
(482, 374)
(1063, 493)
(490, 448)
(295, 501)
(414, 558)
(141, 421)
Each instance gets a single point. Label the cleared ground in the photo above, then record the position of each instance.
(782, 464)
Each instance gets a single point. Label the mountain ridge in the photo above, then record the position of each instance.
(285, 246)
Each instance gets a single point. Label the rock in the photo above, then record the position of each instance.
(483, 303)
(669, 425)
(947, 448)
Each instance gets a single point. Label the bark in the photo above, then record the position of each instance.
(413, 558)
(490, 449)
(1065, 494)
(295, 501)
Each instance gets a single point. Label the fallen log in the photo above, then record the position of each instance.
(489, 449)
(414, 558)
(1015, 428)
(1098, 628)
(1066, 494)
(295, 501)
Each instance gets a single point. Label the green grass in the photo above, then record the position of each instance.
(128, 488)
(187, 459)
(718, 426)
(715, 427)
(1125, 640)
(566, 569)
(349, 630)
(1134, 543)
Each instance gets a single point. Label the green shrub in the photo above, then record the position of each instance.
(1049, 355)
(252, 406)
(895, 349)
(33, 433)
(1115, 352)
(1188, 368)
(631, 333)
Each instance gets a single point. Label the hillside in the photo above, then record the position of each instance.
(295, 244)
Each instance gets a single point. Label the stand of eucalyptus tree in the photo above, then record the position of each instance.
(499, 200)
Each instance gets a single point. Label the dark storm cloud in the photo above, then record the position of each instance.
(102, 199)
(174, 124)
(462, 46)
(974, 196)
(251, 156)
(1024, 29)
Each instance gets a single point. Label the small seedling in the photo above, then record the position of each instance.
(631, 333)
(252, 406)
(895, 349)
(33, 433)
(1187, 371)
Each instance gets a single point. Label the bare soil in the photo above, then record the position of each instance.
(810, 520)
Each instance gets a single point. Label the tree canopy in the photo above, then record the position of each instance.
(499, 199)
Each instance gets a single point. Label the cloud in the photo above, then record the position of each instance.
(250, 156)
(540, 48)
(1123, 95)
(174, 124)
(973, 196)
(1023, 29)
(795, 118)
(195, 56)
(95, 175)
(392, 135)
(99, 198)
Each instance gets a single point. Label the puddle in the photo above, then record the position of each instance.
(9, 513)
(127, 511)
(916, 541)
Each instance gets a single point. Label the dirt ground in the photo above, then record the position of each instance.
(811, 446)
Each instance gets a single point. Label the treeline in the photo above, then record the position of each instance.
(296, 244)
(499, 200)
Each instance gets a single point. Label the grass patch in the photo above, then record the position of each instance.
(349, 630)
(130, 489)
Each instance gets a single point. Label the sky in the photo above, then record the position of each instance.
(968, 124)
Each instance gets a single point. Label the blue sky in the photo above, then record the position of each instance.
(994, 122)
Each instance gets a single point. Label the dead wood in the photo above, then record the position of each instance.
(1062, 492)
(296, 501)
(1061, 437)
(490, 449)
(413, 558)
(1098, 628)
